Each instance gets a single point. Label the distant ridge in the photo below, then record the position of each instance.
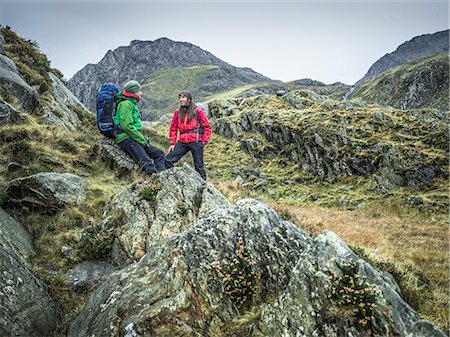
(418, 47)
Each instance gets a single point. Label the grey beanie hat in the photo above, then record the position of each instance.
(132, 86)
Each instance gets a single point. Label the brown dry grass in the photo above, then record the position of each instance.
(421, 242)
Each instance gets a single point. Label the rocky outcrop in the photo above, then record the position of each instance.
(155, 209)
(421, 83)
(25, 305)
(335, 90)
(63, 106)
(16, 234)
(418, 47)
(265, 89)
(87, 275)
(240, 270)
(309, 129)
(14, 86)
(114, 157)
(47, 191)
(59, 107)
(424, 328)
(141, 59)
(8, 114)
(2, 44)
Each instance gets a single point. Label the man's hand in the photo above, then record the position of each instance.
(171, 147)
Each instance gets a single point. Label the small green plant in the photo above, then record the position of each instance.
(150, 191)
(353, 291)
(237, 274)
(197, 200)
(96, 244)
(8, 98)
(182, 209)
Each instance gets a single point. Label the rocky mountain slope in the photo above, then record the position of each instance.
(333, 140)
(141, 59)
(88, 252)
(35, 108)
(418, 47)
(422, 83)
(204, 82)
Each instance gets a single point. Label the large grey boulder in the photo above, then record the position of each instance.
(154, 209)
(47, 190)
(88, 274)
(241, 270)
(13, 85)
(8, 114)
(26, 308)
(16, 234)
(114, 157)
(424, 328)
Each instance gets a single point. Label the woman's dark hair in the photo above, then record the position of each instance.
(187, 110)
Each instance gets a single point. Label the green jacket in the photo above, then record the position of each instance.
(129, 118)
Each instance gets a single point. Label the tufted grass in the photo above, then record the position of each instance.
(32, 64)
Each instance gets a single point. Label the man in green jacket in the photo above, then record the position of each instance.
(129, 137)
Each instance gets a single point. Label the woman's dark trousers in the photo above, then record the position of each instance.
(150, 159)
(181, 149)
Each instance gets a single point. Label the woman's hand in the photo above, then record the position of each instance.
(171, 147)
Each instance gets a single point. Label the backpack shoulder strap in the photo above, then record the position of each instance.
(195, 114)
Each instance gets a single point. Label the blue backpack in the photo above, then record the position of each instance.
(106, 109)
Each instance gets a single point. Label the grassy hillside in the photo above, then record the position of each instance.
(30, 61)
(420, 83)
(162, 88)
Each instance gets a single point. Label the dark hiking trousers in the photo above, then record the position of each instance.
(181, 149)
(151, 159)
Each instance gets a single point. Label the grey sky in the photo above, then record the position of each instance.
(326, 41)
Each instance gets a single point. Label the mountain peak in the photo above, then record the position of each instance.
(418, 47)
(140, 59)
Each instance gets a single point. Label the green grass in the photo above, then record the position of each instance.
(392, 86)
(162, 88)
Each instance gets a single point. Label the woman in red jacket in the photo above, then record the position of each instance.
(194, 133)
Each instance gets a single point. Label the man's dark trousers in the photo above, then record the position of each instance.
(150, 159)
(181, 149)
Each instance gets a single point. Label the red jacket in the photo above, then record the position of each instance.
(184, 126)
